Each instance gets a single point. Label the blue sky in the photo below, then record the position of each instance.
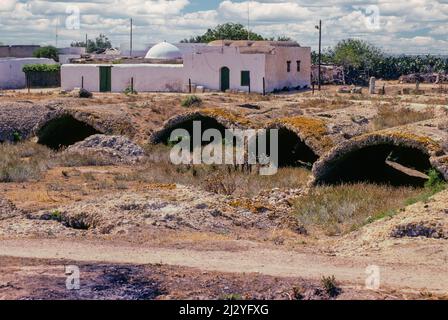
(397, 26)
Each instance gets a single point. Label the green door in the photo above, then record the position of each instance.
(105, 79)
(225, 78)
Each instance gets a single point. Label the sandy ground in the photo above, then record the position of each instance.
(233, 254)
(408, 277)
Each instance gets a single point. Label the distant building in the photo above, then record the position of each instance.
(11, 71)
(18, 51)
(258, 66)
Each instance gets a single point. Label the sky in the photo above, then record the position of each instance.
(397, 26)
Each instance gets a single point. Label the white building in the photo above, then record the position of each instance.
(11, 71)
(260, 66)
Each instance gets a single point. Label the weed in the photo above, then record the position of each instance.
(330, 286)
(191, 101)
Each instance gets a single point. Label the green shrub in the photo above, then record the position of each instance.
(191, 101)
(49, 52)
(330, 286)
(16, 137)
(85, 94)
(435, 181)
(41, 68)
(130, 90)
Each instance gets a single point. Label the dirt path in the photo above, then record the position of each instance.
(349, 271)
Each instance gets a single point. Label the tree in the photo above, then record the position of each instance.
(227, 31)
(357, 54)
(78, 44)
(99, 45)
(49, 52)
(282, 38)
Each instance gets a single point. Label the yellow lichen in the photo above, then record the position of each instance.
(161, 186)
(427, 142)
(252, 206)
(230, 116)
(310, 129)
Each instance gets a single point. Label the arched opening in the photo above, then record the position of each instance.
(64, 131)
(224, 79)
(292, 150)
(188, 125)
(381, 164)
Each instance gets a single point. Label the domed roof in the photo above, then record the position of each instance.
(164, 51)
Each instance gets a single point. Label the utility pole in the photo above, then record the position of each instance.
(248, 21)
(319, 81)
(57, 24)
(131, 40)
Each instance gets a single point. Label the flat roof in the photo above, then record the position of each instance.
(124, 65)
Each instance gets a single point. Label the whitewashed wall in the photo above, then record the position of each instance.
(148, 77)
(11, 74)
(277, 76)
(204, 68)
(71, 76)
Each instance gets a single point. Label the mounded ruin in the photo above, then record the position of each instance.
(397, 156)
(220, 119)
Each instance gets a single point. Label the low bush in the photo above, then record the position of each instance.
(191, 101)
(41, 68)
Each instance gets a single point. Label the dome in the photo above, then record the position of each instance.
(164, 51)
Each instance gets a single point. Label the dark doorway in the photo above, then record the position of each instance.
(382, 164)
(105, 79)
(292, 151)
(225, 79)
(64, 131)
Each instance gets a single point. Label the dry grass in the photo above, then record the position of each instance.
(389, 117)
(85, 159)
(218, 179)
(331, 103)
(23, 161)
(340, 209)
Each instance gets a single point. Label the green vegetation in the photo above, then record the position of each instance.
(232, 296)
(41, 68)
(49, 52)
(191, 101)
(56, 215)
(330, 286)
(130, 90)
(230, 31)
(362, 60)
(99, 45)
(17, 137)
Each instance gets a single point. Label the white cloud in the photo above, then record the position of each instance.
(7, 5)
(406, 25)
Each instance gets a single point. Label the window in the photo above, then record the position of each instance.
(245, 78)
(288, 66)
(299, 65)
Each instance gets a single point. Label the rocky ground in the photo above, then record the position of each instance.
(117, 223)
